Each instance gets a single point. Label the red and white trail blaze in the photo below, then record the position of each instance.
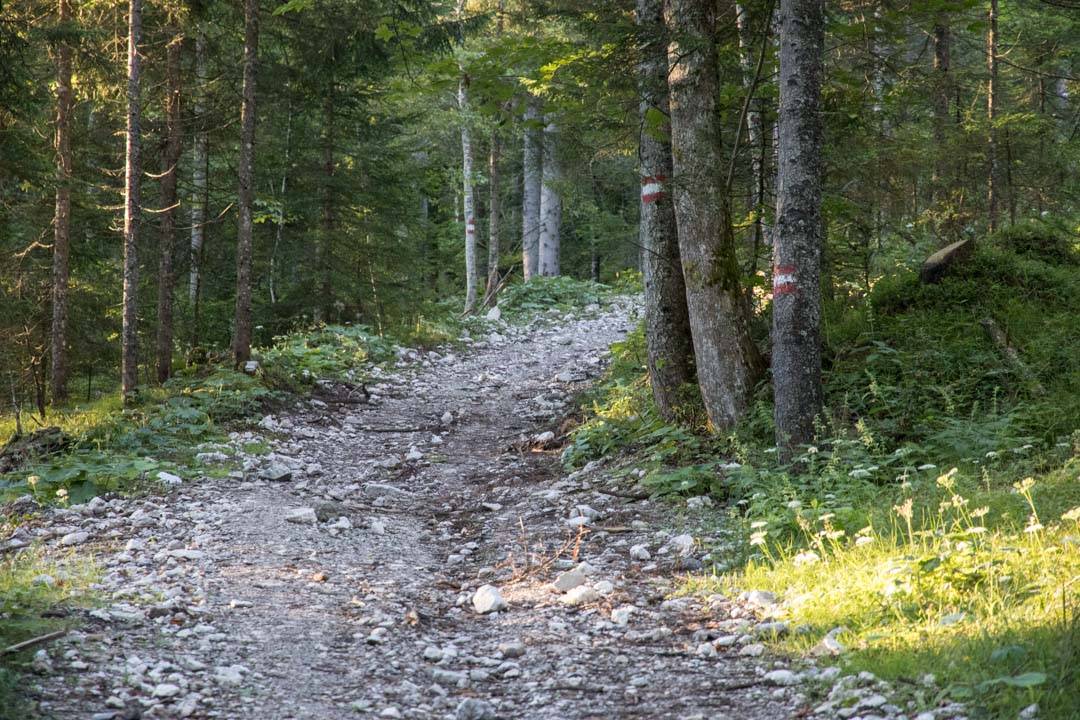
(652, 188)
(784, 281)
(470, 227)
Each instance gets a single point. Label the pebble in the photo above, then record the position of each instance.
(781, 677)
(166, 690)
(568, 580)
(512, 649)
(473, 709)
(580, 595)
(75, 538)
(640, 552)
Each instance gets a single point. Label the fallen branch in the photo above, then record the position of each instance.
(33, 641)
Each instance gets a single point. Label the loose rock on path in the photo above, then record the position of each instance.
(419, 556)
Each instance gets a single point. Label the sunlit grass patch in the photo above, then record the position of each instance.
(983, 592)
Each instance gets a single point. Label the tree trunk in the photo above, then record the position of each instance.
(728, 363)
(199, 160)
(755, 128)
(62, 218)
(324, 250)
(170, 159)
(532, 181)
(279, 231)
(942, 92)
(129, 336)
(992, 191)
(494, 210)
(667, 324)
(550, 202)
(469, 198)
(242, 330)
(796, 332)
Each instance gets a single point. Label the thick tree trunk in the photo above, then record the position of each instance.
(728, 363)
(992, 190)
(199, 159)
(942, 92)
(129, 335)
(532, 180)
(242, 329)
(469, 198)
(494, 210)
(62, 219)
(667, 324)
(796, 332)
(170, 159)
(550, 202)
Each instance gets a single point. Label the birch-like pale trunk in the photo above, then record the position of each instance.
(532, 180)
(129, 334)
(728, 363)
(279, 231)
(550, 202)
(200, 157)
(469, 201)
(246, 190)
(170, 159)
(61, 269)
(667, 325)
(796, 330)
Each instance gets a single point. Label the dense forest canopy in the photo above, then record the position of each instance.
(357, 197)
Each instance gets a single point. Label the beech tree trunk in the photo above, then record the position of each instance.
(61, 269)
(242, 329)
(129, 335)
(170, 159)
(469, 198)
(532, 181)
(550, 202)
(796, 331)
(199, 190)
(667, 324)
(992, 190)
(728, 363)
(494, 210)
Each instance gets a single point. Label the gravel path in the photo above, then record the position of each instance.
(338, 576)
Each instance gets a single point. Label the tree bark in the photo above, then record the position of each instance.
(728, 363)
(242, 330)
(199, 188)
(62, 219)
(667, 323)
(324, 251)
(170, 160)
(129, 335)
(942, 92)
(755, 129)
(550, 202)
(796, 355)
(532, 181)
(494, 210)
(992, 190)
(469, 198)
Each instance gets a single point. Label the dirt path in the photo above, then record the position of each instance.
(220, 606)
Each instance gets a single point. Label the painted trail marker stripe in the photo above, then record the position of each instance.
(785, 281)
(652, 188)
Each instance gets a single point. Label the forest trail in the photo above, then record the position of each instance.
(257, 616)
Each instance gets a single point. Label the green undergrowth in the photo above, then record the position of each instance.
(935, 517)
(36, 595)
(523, 301)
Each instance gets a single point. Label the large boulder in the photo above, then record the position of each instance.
(937, 265)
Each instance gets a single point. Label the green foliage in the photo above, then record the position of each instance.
(332, 351)
(548, 294)
(24, 597)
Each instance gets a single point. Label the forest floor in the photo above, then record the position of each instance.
(345, 587)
